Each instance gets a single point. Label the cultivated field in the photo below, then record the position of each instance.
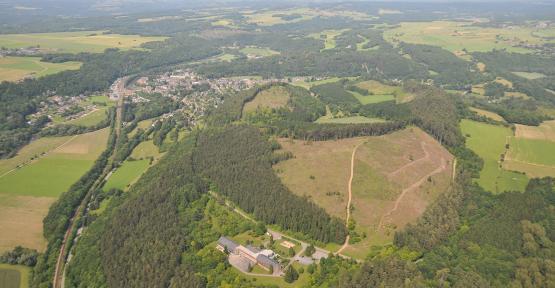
(381, 92)
(27, 192)
(456, 36)
(488, 141)
(14, 276)
(546, 131)
(395, 177)
(75, 42)
(16, 68)
(274, 97)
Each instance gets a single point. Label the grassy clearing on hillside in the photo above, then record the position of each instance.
(489, 114)
(456, 36)
(372, 99)
(14, 276)
(145, 150)
(488, 141)
(309, 84)
(258, 52)
(75, 42)
(396, 176)
(384, 167)
(529, 75)
(319, 170)
(17, 68)
(328, 36)
(27, 192)
(274, 97)
(90, 119)
(127, 174)
(381, 92)
(348, 120)
(145, 124)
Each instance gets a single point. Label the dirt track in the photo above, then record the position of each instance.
(350, 197)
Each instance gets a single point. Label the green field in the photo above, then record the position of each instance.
(371, 99)
(488, 141)
(17, 68)
(90, 119)
(456, 36)
(529, 75)
(14, 276)
(75, 42)
(65, 164)
(309, 84)
(532, 151)
(126, 174)
(146, 149)
(27, 192)
(258, 52)
(381, 92)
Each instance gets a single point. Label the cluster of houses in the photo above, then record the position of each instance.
(249, 254)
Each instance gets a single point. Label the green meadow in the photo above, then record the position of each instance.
(75, 42)
(14, 276)
(371, 99)
(126, 174)
(16, 68)
(53, 174)
(257, 51)
(532, 151)
(488, 141)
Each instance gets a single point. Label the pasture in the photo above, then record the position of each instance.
(456, 36)
(395, 177)
(27, 192)
(308, 84)
(488, 114)
(14, 68)
(380, 92)
(126, 174)
(274, 97)
(14, 276)
(75, 42)
(488, 141)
